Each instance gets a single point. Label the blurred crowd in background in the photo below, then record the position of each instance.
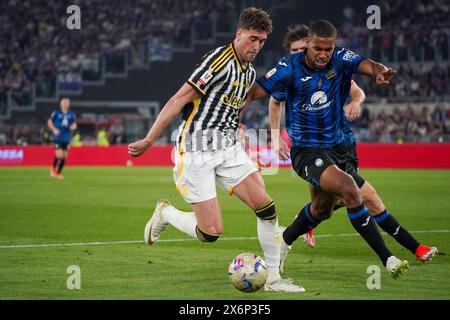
(35, 49)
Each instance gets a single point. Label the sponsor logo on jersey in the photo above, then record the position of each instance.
(270, 73)
(232, 100)
(349, 55)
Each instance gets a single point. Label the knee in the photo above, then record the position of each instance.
(350, 192)
(266, 211)
(321, 211)
(209, 234)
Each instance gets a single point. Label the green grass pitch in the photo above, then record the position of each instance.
(95, 208)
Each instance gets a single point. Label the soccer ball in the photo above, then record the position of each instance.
(248, 272)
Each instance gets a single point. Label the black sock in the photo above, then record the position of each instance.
(366, 227)
(389, 224)
(301, 225)
(55, 162)
(61, 165)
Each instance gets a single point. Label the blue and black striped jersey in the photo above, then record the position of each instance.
(62, 121)
(314, 98)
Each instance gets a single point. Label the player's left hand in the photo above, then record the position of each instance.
(137, 148)
(385, 77)
(352, 111)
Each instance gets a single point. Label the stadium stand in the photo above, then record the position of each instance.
(119, 70)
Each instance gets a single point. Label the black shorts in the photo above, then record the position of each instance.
(309, 163)
(353, 166)
(354, 155)
(61, 145)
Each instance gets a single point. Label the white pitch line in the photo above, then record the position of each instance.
(78, 244)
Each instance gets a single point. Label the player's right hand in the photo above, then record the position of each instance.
(137, 148)
(56, 132)
(385, 77)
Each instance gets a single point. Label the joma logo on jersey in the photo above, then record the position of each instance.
(232, 101)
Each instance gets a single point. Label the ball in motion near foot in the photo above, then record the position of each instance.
(248, 272)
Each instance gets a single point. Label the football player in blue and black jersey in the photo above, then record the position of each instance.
(316, 83)
(61, 123)
(296, 41)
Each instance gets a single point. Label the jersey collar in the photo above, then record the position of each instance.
(241, 67)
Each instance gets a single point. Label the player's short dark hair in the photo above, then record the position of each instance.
(294, 33)
(61, 98)
(323, 29)
(253, 18)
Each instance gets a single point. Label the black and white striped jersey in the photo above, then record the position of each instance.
(211, 121)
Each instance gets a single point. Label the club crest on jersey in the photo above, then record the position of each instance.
(330, 74)
(319, 97)
(270, 73)
(204, 79)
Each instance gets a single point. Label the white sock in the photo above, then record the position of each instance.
(269, 238)
(182, 220)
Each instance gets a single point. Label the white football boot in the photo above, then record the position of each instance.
(156, 225)
(284, 250)
(283, 285)
(396, 267)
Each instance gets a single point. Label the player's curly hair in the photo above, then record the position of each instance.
(254, 18)
(295, 32)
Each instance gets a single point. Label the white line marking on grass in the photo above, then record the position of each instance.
(79, 244)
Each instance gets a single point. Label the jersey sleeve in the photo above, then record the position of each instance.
(278, 78)
(280, 96)
(73, 117)
(347, 60)
(54, 115)
(210, 65)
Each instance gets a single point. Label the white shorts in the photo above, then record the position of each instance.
(197, 173)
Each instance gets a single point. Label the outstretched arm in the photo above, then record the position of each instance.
(382, 74)
(171, 109)
(357, 97)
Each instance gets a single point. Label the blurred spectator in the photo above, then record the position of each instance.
(45, 136)
(42, 47)
(76, 139)
(117, 133)
(102, 138)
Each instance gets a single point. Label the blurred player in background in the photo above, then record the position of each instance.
(61, 123)
(208, 151)
(296, 41)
